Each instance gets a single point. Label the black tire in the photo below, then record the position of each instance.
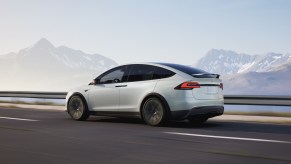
(197, 121)
(77, 108)
(154, 112)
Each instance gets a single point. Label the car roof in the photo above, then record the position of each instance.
(152, 63)
(160, 64)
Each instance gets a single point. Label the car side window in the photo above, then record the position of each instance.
(113, 76)
(140, 72)
(162, 73)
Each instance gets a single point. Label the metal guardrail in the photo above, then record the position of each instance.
(228, 99)
(28, 94)
(257, 100)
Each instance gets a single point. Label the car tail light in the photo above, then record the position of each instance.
(221, 86)
(188, 86)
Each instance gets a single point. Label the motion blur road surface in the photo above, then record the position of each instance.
(50, 136)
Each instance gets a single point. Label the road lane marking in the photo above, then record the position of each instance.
(225, 137)
(19, 119)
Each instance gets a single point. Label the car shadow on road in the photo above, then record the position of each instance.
(169, 124)
(115, 120)
(223, 126)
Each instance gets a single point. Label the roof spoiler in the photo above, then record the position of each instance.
(206, 75)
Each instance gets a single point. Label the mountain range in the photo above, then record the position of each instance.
(44, 67)
(268, 74)
(229, 62)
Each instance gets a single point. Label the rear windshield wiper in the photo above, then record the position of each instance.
(206, 75)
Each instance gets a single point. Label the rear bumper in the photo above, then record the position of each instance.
(203, 111)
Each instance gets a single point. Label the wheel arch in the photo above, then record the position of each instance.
(160, 97)
(81, 96)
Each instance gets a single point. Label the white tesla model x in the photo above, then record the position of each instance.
(154, 92)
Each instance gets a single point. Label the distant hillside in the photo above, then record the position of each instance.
(259, 83)
(268, 74)
(44, 67)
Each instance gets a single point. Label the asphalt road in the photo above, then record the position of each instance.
(50, 136)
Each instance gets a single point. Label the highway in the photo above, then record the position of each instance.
(51, 136)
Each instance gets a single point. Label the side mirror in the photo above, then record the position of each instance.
(93, 82)
(116, 81)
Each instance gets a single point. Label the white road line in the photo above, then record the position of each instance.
(230, 138)
(19, 119)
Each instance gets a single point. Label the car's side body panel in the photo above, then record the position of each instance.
(133, 93)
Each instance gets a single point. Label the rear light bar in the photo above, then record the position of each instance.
(188, 86)
(192, 85)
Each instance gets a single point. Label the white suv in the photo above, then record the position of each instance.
(154, 92)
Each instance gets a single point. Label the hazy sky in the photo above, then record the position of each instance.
(180, 31)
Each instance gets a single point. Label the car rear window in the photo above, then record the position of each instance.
(161, 73)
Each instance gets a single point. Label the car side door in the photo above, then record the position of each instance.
(139, 83)
(104, 94)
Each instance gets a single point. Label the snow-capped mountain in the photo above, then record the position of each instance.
(229, 62)
(264, 63)
(223, 62)
(44, 67)
(275, 82)
(267, 74)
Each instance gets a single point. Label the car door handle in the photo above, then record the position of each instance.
(121, 86)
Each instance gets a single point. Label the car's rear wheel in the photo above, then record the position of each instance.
(198, 121)
(77, 108)
(153, 112)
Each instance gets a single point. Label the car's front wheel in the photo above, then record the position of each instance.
(77, 108)
(153, 112)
